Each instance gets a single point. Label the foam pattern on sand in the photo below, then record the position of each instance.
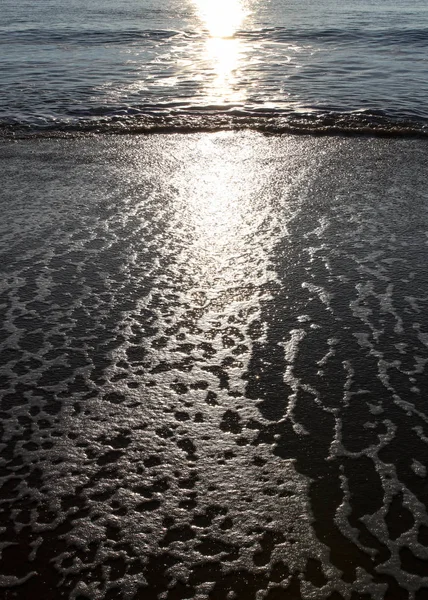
(213, 368)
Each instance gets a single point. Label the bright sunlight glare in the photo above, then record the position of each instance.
(224, 54)
(221, 17)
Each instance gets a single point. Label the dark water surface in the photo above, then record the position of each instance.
(213, 379)
(276, 65)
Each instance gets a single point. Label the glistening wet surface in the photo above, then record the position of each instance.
(181, 65)
(213, 368)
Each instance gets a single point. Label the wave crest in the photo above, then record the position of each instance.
(269, 122)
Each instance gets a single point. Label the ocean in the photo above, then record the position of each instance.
(213, 300)
(194, 64)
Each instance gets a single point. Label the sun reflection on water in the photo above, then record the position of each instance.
(225, 220)
(222, 19)
(225, 55)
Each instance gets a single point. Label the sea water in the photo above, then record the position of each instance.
(335, 65)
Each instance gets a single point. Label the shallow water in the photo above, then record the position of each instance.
(192, 64)
(213, 376)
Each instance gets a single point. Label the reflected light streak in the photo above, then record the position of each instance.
(224, 55)
(227, 250)
(221, 17)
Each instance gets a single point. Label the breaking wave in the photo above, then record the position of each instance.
(140, 120)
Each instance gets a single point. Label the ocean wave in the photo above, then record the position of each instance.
(87, 37)
(131, 121)
(406, 36)
(416, 36)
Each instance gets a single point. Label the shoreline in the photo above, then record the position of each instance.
(213, 367)
(317, 123)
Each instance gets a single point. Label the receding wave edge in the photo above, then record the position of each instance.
(355, 123)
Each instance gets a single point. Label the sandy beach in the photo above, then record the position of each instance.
(213, 367)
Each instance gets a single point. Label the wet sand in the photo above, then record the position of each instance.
(213, 370)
